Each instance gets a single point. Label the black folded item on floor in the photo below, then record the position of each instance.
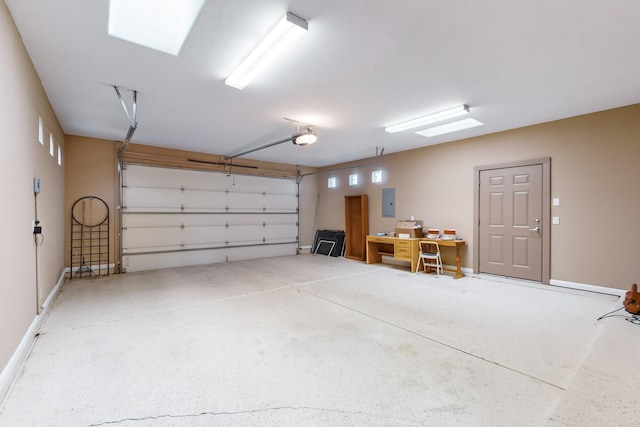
(328, 242)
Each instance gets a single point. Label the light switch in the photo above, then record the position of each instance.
(556, 220)
(556, 201)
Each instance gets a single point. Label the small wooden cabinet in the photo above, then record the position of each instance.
(403, 250)
(356, 218)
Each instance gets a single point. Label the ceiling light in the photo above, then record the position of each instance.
(450, 127)
(283, 35)
(305, 138)
(157, 24)
(431, 118)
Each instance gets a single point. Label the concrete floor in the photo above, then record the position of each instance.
(313, 340)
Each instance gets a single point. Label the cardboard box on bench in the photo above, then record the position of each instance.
(412, 228)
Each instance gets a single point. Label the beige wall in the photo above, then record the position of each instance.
(595, 171)
(309, 194)
(22, 159)
(92, 170)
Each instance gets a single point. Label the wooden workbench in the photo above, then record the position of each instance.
(407, 250)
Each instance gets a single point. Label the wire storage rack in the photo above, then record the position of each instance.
(89, 238)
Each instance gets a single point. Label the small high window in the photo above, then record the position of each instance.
(332, 182)
(52, 145)
(40, 131)
(376, 176)
(59, 155)
(353, 179)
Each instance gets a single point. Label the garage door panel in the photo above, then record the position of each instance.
(152, 177)
(256, 252)
(281, 202)
(247, 219)
(182, 211)
(205, 235)
(204, 246)
(173, 259)
(151, 238)
(245, 234)
(204, 201)
(151, 249)
(145, 220)
(194, 220)
(203, 181)
(245, 202)
(172, 220)
(270, 185)
(281, 232)
(137, 199)
(278, 219)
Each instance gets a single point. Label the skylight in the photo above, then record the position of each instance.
(157, 24)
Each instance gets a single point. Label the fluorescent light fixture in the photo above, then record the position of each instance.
(458, 111)
(450, 127)
(157, 24)
(283, 35)
(305, 138)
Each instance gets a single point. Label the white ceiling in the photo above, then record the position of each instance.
(363, 65)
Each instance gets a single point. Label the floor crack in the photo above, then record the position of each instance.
(250, 411)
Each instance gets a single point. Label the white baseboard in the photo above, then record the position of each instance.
(585, 287)
(555, 283)
(12, 369)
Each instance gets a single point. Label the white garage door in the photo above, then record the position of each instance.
(175, 217)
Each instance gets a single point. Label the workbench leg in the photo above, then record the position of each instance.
(458, 269)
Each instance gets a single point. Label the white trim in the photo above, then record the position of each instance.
(12, 369)
(585, 287)
(553, 283)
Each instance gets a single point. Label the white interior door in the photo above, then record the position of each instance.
(175, 217)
